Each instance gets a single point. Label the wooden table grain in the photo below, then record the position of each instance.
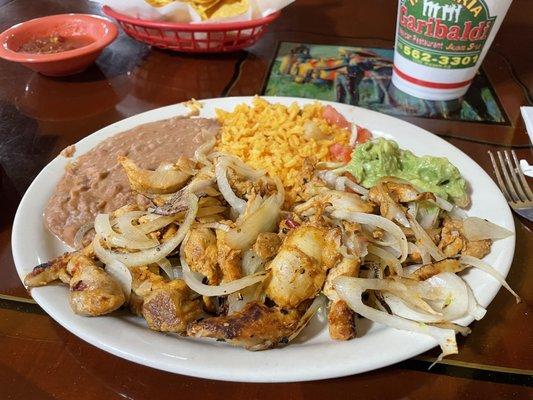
(39, 116)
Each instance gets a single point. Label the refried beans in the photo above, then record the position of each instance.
(95, 182)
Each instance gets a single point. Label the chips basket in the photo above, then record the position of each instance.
(194, 38)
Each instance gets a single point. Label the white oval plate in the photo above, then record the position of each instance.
(315, 355)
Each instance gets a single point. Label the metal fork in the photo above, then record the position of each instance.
(513, 184)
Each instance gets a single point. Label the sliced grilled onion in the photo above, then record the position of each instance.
(444, 204)
(453, 301)
(251, 262)
(318, 303)
(351, 290)
(166, 266)
(179, 201)
(152, 255)
(104, 229)
(387, 257)
(477, 263)
(475, 228)
(201, 151)
(378, 221)
(156, 223)
(426, 258)
(163, 180)
(331, 178)
(121, 274)
(425, 241)
(356, 188)
(427, 217)
(264, 219)
(242, 168)
(474, 309)
(458, 213)
(80, 234)
(402, 309)
(221, 173)
(130, 232)
(216, 225)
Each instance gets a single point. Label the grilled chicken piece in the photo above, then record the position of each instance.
(93, 292)
(299, 269)
(405, 193)
(429, 270)
(229, 260)
(255, 327)
(166, 179)
(144, 280)
(388, 206)
(453, 242)
(267, 245)
(478, 248)
(341, 321)
(170, 308)
(201, 254)
(50, 271)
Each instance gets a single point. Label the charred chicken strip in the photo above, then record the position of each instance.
(171, 307)
(341, 319)
(429, 270)
(229, 260)
(93, 292)
(255, 327)
(50, 271)
(453, 242)
(144, 280)
(201, 254)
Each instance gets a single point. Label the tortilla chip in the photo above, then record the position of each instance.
(227, 8)
(159, 3)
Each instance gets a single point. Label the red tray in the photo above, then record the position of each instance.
(194, 38)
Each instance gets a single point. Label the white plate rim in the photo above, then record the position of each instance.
(271, 361)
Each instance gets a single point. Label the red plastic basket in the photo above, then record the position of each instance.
(194, 38)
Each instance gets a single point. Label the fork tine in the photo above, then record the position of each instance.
(521, 195)
(525, 185)
(499, 177)
(507, 178)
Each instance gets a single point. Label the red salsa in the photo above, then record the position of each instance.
(55, 44)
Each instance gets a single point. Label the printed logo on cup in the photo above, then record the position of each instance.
(447, 34)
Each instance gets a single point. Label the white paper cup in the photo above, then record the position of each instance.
(440, 44)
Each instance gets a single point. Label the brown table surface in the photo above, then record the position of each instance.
(40, 116)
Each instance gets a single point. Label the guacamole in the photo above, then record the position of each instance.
(378, 158)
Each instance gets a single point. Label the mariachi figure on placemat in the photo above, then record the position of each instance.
(354, 66)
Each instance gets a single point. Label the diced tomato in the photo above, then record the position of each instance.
(340, 153)
(334, 117)
(363, 135)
